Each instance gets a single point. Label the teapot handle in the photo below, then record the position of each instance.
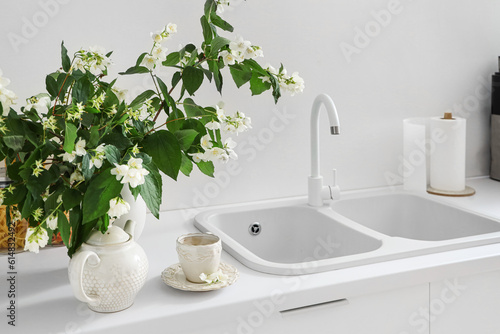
(76, 275)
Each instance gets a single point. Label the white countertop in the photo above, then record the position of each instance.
(45, 302)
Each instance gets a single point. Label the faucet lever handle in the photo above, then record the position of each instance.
(334, 188)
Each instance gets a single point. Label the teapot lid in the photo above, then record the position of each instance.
(114, 235)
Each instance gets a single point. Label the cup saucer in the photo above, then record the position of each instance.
(174, 276)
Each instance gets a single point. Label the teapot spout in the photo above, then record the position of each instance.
(130, 227)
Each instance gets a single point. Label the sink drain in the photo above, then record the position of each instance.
(254, 228)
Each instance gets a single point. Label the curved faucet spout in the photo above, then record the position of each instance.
(317, 192)
(333, 117)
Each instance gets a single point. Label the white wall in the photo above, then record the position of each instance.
(427, 57)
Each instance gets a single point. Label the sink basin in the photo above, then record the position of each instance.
(413, 217)
(288, 237)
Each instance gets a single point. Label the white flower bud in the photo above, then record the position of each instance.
(118, 207)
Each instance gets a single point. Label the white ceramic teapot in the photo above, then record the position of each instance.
(108, 270)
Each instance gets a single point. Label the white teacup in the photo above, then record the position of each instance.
(199, 253)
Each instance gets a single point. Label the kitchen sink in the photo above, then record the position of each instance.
(289, 237)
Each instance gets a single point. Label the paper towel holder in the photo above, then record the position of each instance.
(468, 191)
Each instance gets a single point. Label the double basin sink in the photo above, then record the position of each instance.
(288, 237)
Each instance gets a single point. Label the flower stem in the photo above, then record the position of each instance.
(62, 86)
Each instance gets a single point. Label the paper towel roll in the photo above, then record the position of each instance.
(415, 164)
(447, 158)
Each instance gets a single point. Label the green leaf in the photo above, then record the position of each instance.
(196, 125)
(186, 165)
(34, 186)
(66, 62)
(71, 198)
(79, 231)
(208, 74)
(276, 88)
(257, 86)
(207, 30)
(91, 110)
(100, 191)
(190, 48)
(206, 167)
(18, 195)
(183, 91)
(118, 140)
(172, 59)
(14, 142)
(70, 137)
(81, 90)
(47, 149)
(51, 86)
(164, 148)
(135, 191)
(255, 66)
(140, 59)
(175, 120)
(111, 99)
(192, 109)
(13, 170)
(32, 132)
(75, 217)
(176, 78)
(193, 58)
(39, 153)
(103, 223)
(51, 202)
(241, 74)
(216, 20)
(192, 78)
(186, 138)
(37, 185)
(27, 204)
(26, 169)
(151, 189)
(214, 68)
(217, 44)
(139, 100)
(135, 70)
(64, 227)
(14, 123)
(112, 154)
(209, 8)
(77, 74)
(94, 136)
(163, 89)
(87, 120)
(86, 170)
